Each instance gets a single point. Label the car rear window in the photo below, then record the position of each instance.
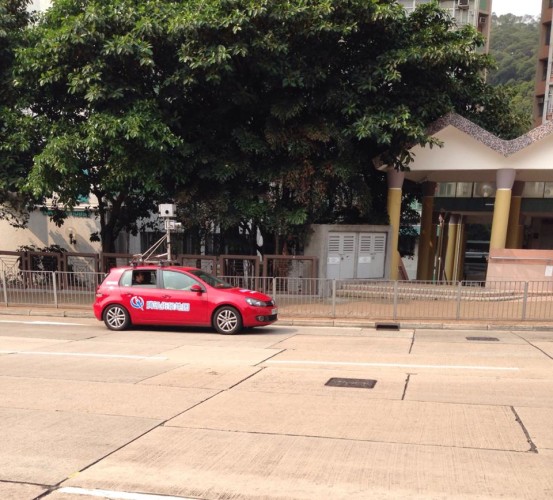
(126, 279)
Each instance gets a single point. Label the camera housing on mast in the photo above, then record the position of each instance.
(167, 210)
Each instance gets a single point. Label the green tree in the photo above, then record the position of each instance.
(15, 156)
(93, 88)
(267, 111)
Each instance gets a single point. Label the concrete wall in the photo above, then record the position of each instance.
(520, 265)
(42, 232)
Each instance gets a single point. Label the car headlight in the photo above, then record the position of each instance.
(256, 302)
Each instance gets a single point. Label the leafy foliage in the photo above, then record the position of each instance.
(252, 113)
(14, 157)
(93, 90)
(513, 44)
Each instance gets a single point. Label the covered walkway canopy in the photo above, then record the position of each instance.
(476, 177)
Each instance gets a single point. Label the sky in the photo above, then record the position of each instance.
(517, 7)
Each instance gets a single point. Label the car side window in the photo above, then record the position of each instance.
(173, 280)
(143, 278)
(126, 279)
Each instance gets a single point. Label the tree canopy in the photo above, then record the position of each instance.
(15, 153)
(265, 112)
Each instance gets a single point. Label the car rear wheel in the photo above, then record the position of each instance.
(227, 320)
(116, 317)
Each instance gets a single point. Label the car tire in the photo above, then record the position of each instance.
(227, 320)
(116, 317)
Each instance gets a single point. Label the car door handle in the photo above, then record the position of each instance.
(165, 296)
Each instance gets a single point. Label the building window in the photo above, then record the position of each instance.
(539, 102)
(446, 190)
(544, 66)
(464, 190)
(549, 103)
(484, 190)
(547, 33)
(533, 190)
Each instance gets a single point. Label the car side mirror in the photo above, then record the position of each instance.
(196, 288)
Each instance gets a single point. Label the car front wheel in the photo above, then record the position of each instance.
(116, 317)
(227, 320)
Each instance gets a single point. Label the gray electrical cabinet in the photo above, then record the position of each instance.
(351, 251)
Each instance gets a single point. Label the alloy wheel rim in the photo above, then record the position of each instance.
(116, 317)
(227, 321)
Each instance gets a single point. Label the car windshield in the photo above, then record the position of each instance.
(210, 280)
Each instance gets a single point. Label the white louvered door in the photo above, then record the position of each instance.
(371, 255)
(341, 255)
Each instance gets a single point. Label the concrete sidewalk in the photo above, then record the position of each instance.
(381, 323)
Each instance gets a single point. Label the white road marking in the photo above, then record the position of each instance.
(117, 495)
(54, 323)
(86, 355)
(394, 365)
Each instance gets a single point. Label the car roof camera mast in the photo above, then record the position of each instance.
(167, 212)
(143, 258)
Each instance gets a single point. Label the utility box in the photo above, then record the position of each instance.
(351, 251)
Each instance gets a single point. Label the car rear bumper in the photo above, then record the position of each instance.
(97, 309)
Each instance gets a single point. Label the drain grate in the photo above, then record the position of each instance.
(484, 339)
(359, 383)
(387, 326)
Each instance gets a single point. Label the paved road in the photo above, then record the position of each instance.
(90, 413)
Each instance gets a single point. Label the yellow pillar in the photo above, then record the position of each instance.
(462, 249)
(431, 262)
(426, 241)
(395, 183)
(504, 181)
(441, 238)
(514, 228)
(451, 248)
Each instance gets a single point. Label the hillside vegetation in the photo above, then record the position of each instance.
(514, 45)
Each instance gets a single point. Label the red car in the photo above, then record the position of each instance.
(172, 295)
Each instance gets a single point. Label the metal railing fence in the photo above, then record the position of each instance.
(48, 288)
(323, 298)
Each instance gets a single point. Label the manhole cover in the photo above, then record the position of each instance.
(359, 383)
(484, 339)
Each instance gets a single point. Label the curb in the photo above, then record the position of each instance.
(383, 324)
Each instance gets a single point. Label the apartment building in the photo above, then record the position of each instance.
(543, 103)
(477, 13)
(39, 4)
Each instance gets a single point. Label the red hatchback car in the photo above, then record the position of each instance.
(172, 295)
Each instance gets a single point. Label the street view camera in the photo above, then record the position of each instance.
(167, 210)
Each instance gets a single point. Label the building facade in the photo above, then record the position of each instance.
(543, 103)
(477, 13)
(477, 178)
(39, 4)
